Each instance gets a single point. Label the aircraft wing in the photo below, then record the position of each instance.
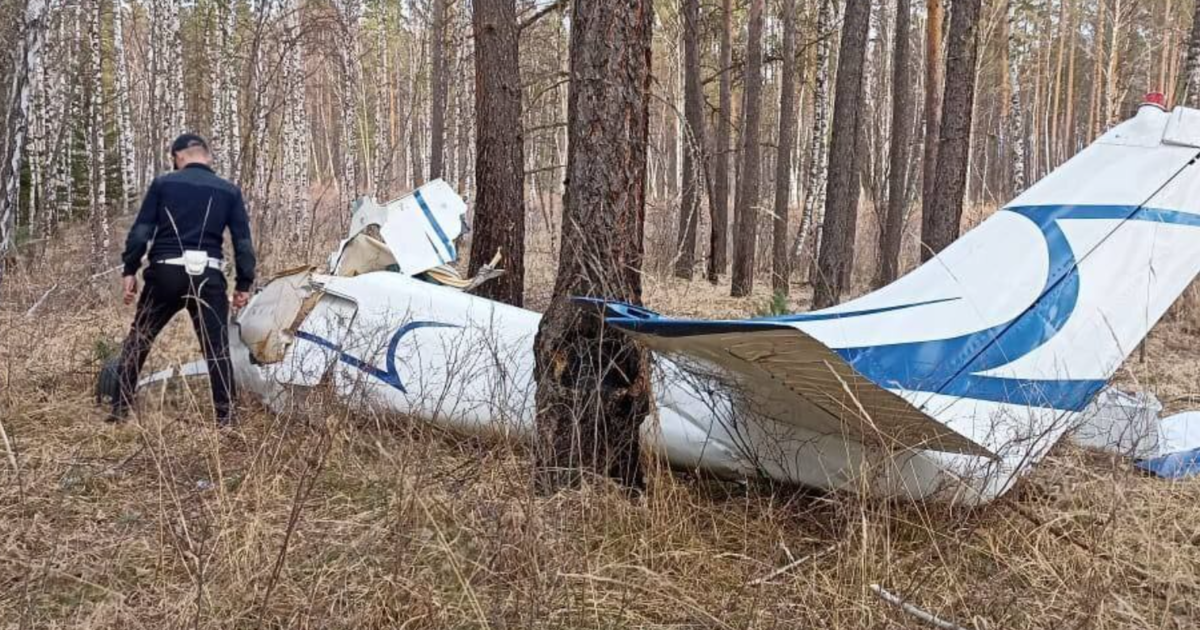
(782, 369)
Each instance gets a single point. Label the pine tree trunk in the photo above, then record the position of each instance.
(29, 59)
(1192, 68)
(835, 261)
(437, 90)
(693, 138)
(1095, 109)
(749, 175)
(718, 255)
(892, 233)
(593, 384)
(954, 146)
(934, 66)
(780, 258)
(499, 140)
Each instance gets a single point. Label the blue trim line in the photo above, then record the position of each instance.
(952, 366)
(1173, 465)
(391, 374)
(437, 228)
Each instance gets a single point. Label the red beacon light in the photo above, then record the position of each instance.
(1157, 99)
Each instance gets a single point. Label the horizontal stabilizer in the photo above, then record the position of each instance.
(780, 367)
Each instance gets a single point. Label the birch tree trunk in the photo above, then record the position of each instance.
(125, 144)
(814, 182)
(16, 124)
(351, 72)
(437, 90)
(98, 207)
(226, 127)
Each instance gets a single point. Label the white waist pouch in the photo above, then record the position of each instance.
(195, 262)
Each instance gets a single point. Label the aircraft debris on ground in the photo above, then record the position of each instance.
(948, 384)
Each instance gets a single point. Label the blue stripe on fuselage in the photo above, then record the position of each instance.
(389, 375)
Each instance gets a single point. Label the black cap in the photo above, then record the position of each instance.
(187, 141)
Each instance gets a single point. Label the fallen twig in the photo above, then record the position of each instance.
(36, 305)
(792, 565)
(912, 610)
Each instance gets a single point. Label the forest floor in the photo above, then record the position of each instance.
(334, 520)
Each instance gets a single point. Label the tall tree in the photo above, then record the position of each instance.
(124, 111)
(718, 257)
(836, 259)
(780, 258)
(746, 209)
(500, 147)
(348, 59)
(592, 384)
(934, 19)
(892, 233)
(693, 138)
(1192, 69)
(16, 124)
(818, 155)
(437, 90)
(942, 224)
(98, 206)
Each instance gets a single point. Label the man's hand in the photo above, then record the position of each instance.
(240, 299)
(130, 285)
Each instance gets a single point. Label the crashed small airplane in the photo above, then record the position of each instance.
(947, 384)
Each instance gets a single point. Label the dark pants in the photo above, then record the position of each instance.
(169, 289)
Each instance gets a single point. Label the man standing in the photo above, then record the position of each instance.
(183, 220)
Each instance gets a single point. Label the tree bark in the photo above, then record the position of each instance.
(500, 146)
(693, 137)
(593, 384)
(836, 258)
(749, 175)
(935, 16)
(1193, 61)
(437, 90)
(954, 144)
(814, 180)
(780, 256)
(892, 234)
(718, 255)
(29, 59)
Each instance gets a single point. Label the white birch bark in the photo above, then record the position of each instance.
(124, 113)
(296, 133)
(351, 14)
(226, 127)
(29, 59)
(814, 186)
(98, 207)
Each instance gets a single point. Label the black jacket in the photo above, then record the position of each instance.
(190, 209)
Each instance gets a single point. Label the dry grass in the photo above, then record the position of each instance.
(329, 520)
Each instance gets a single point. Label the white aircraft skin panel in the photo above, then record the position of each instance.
(1142, 267)
(966, 292)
